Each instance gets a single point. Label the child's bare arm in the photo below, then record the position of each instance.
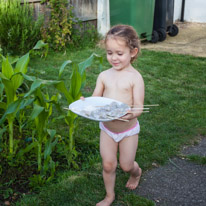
(138, 92)
(138, 98)
(98, 91)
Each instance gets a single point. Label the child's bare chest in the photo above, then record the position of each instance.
(118, 85)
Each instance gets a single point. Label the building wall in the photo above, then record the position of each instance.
(195, 10)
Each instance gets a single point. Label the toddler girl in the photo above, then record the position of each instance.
(123, 83)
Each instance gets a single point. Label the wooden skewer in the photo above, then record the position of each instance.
(66, 108)
(75, 110)
(133, 108)
(136, 111)
(124, 120)
(147, 105)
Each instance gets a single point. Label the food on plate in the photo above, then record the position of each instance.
(111, 110)
(99, 108)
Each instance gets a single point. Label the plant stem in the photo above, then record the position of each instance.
(11, 141)
(39, 156)
(71, 138)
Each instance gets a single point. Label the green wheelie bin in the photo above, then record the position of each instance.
(137, 13)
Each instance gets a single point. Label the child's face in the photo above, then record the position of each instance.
(118, 53)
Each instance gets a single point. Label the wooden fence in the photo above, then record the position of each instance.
(84, 10)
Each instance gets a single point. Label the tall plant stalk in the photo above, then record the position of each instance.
(71, 136)
(11, 136)
(77, 82)
(12, 79)
(39, 156)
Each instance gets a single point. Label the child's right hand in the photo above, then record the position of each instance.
(82, 98)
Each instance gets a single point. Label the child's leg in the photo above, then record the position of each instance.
(127, 151)
(108, 150)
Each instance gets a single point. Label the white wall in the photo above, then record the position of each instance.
(195, 10)
(177, 9)
(103, 16)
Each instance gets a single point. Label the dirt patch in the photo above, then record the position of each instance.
(191, 40)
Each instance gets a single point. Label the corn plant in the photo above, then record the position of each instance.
(77, 82)
(49, 166)
(11, 79)
(41, 113)
(45, 139)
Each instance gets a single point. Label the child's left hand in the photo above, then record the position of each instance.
(131, 115)
(128, 116)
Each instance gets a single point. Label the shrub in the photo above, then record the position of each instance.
(64, 30)
(19, 31)
(84, 37)
(58, 31)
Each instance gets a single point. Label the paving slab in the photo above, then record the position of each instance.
(190, 40)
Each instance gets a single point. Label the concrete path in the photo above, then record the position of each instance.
(179, 183)
(190, 40)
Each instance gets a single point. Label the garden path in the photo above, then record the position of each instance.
(178, 183)
(191, 40)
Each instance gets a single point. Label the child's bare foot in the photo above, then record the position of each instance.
(107, 201)
(133, 182)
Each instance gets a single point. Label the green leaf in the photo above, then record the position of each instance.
(12, 108)
(3, 105)
(40, 44)
(76, 83)
(40, 99)
(63, 67)
(62, 88)
(35, 85)
(27, 149)
(51, 132)
(50, 145)
(70, 118)
(1, 89)
(36, 111)
(7, 68)
(29, 78)
(13, 59)
(83, 80)
(9, 90)
(49, 82)
(21, 66)
(88, 62)
(26, 102)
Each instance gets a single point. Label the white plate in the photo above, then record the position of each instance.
(85, 107)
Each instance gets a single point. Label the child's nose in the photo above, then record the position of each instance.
(114, 57)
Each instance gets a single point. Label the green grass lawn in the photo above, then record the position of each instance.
(176, 82)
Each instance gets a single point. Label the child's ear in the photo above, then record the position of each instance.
(134, 52)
